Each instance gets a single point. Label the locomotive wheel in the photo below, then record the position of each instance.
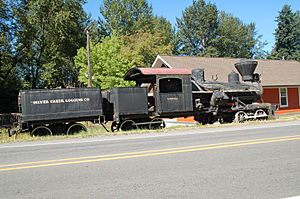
(114, 126)
(260, 114)
(210, 118)
(128, 125)
(76, 128)
(226, 119)
(157, 123)
(240, 116)
(41, 131)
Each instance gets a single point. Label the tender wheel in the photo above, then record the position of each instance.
(76, 128)
(11, 132)
(240, 116)
(260, 114)
(41, 131)
(114, 126)
(157, 123)
(128, 125)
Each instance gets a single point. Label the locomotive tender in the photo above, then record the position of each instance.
(159, 93)
(43, 111)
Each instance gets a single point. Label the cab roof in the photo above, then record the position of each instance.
(149, 74)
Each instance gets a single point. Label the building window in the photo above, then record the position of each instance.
(283, 96)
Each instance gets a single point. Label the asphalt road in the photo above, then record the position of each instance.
(258, 161)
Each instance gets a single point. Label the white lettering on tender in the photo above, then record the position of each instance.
(59, 101)
(40, 102)
(75, 100)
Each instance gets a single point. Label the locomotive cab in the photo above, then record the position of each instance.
(169, 90)
(173, 96)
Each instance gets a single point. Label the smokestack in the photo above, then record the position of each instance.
(246, 68)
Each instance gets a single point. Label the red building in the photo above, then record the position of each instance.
(280, 78)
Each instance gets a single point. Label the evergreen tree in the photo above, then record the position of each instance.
(204, 32)
(286, 35)
(297, 35)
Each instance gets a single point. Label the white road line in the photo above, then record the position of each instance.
(146, 136)
(294, 197)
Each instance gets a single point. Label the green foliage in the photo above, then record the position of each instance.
(297, 35)
(49, 34)
(233, 38)
(204, 32)
(163, 27)
(145, 35)
(109, 65)
(197, 27)
(128, 45)
(258, 51)
(8, 78)
(124, 17)
(142, 48)
(287, 34)
(115, 55)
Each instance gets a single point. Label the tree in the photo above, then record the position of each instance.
(297, 35)
(286, 35)
(258, 51)
(204, 31)
(8, 78)
(233, 38)
(197, 27)
(48, 35)
(142, 48)
(108, 62)
(124, 17)
(9, 82)
(145, 35)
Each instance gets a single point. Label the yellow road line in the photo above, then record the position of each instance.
(89, 159)
(142, 152)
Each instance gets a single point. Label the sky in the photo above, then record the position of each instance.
(262, 12)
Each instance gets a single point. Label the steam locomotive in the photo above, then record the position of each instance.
(159, 93)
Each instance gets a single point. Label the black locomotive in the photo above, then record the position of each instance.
(159, 93)
(232, 100)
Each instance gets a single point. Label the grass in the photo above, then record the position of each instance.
(94, 131)
(288, 117)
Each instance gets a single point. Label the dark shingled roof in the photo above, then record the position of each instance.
(274, 72)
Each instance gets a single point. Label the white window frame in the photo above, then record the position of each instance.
(287, 97)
